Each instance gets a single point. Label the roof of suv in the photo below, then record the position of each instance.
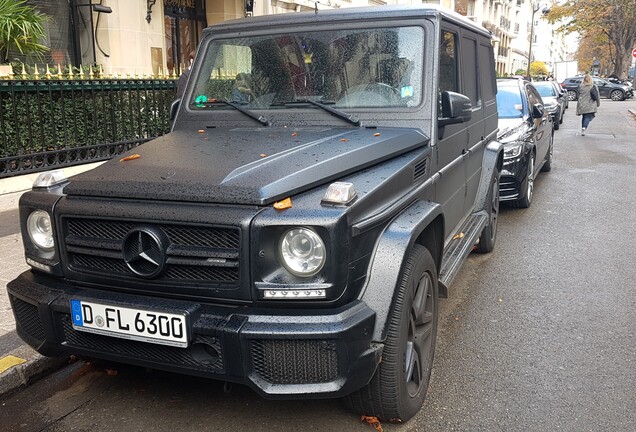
(346, 14)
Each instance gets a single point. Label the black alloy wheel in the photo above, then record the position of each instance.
(525, 201)
(572, 95)
(489, 234)
(547, 165)
(398, 388)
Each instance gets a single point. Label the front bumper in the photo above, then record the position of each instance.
(513, 177)
(281, 354)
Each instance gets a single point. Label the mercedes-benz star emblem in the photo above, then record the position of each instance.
(144, 251)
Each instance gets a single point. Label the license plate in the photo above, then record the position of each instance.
(128, 323)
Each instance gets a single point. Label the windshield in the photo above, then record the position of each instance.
(545, 89)
(509, 104)
(342, 68)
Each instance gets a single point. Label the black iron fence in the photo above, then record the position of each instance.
(55, 122)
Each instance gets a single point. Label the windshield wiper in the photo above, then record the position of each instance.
(333, 111)
(259, 118)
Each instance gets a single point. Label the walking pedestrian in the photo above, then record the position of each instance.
(589, 101)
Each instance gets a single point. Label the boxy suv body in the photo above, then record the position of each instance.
(326, 176)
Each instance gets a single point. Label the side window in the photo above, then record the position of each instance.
(487, 72)
(533, 97)
(469, 70)
(448, 62)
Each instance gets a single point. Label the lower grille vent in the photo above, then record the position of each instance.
(295, 361)
(29, 318)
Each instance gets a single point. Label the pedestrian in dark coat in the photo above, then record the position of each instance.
(589, 101)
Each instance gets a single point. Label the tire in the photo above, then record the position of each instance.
(555, 124)
(398, 388)
(572, 95)
(617, 95)
(562, 115)
(547, 165)
(526, 200)
(489, 234)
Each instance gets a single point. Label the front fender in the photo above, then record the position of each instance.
(492, 164)
(388, 259)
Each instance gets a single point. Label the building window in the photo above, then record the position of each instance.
(184, 21)
(58, 32)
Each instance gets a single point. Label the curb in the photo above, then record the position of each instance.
(35, 366)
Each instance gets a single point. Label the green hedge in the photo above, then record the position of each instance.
(37, 116)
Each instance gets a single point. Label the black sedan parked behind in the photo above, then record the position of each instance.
(527, 133)
(553, 101)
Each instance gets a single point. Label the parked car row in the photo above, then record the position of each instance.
(529, 113)
(616, 91)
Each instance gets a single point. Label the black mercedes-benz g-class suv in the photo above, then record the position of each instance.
(326, 176)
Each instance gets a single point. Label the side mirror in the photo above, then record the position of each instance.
(174, 108)
(537, 110)
(456, 108)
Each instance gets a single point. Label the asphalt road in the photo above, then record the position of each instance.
(538, 336)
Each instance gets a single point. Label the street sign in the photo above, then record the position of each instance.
(634, 53)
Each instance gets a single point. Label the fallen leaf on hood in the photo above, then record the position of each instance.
(263, 155)
(129, 158)
(373, 421)
(344, 139)
(458, 236)
(111, 372)
(294, 133)
(376, 134)
(283, 205)
(201, 130)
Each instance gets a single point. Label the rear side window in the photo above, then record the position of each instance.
(448, 62)
(487, 67)
(469, 70)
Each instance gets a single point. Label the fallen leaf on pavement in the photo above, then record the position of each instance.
(373, 421)
(129, 158)
(111, 372)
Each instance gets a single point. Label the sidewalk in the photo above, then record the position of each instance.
(19, 363)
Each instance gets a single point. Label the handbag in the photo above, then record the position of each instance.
(594, 94)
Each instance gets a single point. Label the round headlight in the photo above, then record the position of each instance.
(302, 252)
(40, 230)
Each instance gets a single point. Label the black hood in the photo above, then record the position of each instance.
(242, 166)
